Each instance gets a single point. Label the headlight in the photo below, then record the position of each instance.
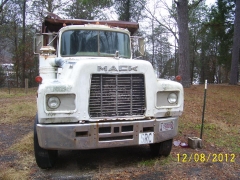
(172, 98)
(53, 102)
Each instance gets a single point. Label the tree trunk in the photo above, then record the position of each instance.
(16, 63)
(23, 45)
(184, 67)
(236, 46)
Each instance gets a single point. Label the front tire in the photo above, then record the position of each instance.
(45, 159)
(163, 148)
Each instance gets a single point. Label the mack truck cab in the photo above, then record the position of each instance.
(93, 94)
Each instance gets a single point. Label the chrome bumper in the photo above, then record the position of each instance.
(103, 134)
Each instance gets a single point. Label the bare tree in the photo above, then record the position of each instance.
(165, 24)
(39, 9)
(2, 11)
(2, 4)
(236, 46)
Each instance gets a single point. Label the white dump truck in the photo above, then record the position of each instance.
(92, 94)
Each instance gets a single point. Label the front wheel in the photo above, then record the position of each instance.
(163, 148)
(45, 158)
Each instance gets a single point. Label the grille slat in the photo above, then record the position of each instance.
(117, 95)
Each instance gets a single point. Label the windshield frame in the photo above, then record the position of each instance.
(98, 29)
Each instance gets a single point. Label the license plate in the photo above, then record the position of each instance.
(166, 126)
(146, 138)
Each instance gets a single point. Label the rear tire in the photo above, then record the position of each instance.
(45, 159)
(163, 148)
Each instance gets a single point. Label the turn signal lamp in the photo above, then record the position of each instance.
(38, 79)
(178, 78)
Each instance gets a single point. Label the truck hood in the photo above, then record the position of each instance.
(76, 67)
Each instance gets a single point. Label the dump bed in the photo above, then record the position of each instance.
(54, 23)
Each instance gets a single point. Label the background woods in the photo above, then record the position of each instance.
(185, 37)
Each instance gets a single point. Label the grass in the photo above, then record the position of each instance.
(221, 125)
(146, 163)
(24, 146)
(15, 107)
(156, 161)
(221, 122)
(17, 104)
(14, 111)
(24, 150)
(226, 139)
(13, 174)
(16, 92)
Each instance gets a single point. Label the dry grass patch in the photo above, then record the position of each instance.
(12, 174)
(16, 92)
(25, 145)
(13, 112)
(17, 105)
(24, 162)
(221, 123)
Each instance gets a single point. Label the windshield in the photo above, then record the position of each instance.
(95, 43)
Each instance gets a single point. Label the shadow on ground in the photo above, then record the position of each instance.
(85, 164)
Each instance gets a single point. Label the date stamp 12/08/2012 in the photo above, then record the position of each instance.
(202, 157)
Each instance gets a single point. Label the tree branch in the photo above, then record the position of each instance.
(3, 3)
(194, 5)
(168, 28)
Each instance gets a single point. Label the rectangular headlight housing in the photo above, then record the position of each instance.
(167, 98)
(67, 103)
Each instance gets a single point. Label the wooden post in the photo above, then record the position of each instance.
(26, 86)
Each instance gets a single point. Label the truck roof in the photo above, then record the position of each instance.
(54, 23)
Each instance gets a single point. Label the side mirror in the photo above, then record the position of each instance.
(38, 43)
(141, 46)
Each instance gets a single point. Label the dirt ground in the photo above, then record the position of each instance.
(210, 162)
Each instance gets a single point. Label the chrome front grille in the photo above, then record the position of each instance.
(117, 95)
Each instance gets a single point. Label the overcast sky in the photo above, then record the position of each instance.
(210, 2)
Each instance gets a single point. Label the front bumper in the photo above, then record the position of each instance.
(103, 134)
